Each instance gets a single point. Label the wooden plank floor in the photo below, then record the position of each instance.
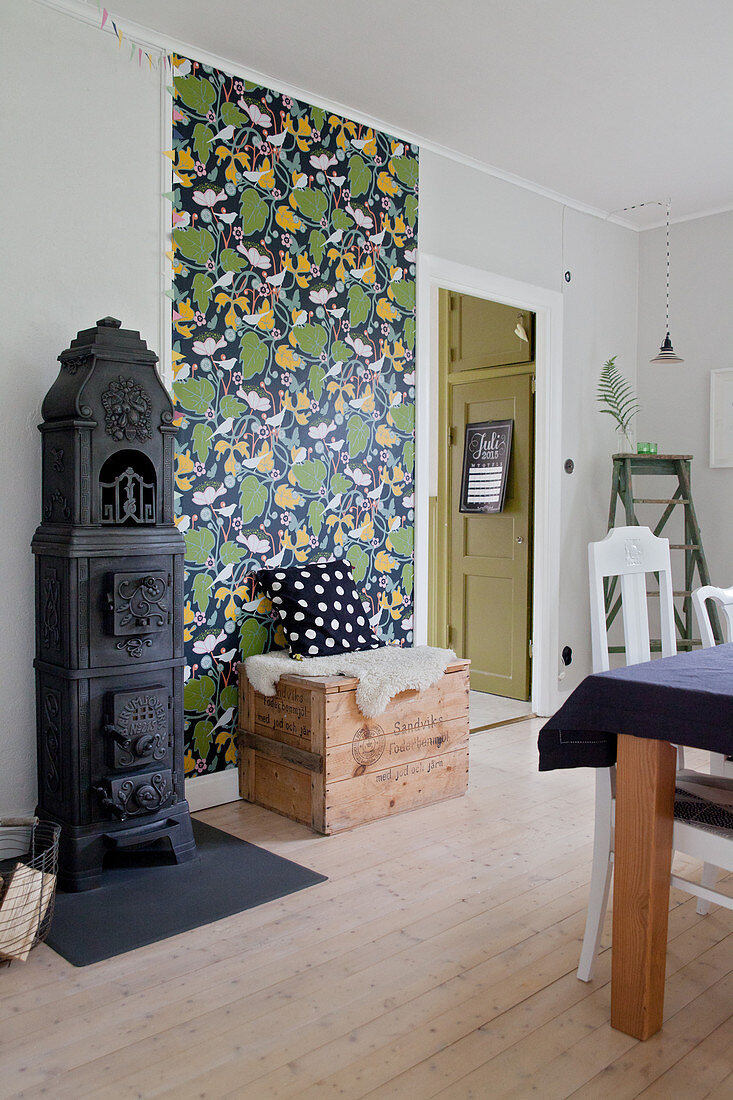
(437, 961)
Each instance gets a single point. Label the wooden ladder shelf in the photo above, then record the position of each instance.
(677, 466)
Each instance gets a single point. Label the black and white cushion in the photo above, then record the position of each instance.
(320, 609)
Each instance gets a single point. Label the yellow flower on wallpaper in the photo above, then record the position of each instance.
(236, 162)
(340, 525)
(383, 563)
(392, 602)
(397, 229)
(182, 314)
(287, 358)
(386, 183)
(287, 498)
(345, 127)
(285, 217)
(266, 462)
(184, 465)
(385, 437)
(301, 132)
(299, 545)
(344, 256)
(301, 270)
(386, 310)
(231, 318)
(301, 408)
(231, 450)
(345, 392)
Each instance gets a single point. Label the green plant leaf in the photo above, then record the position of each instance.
(311, 204)
(254, 355)
(195, 394)
(202, 737)
(228, 697)
(231, 260)
(231, 406)
(408, 577)
(316, 376)
(359, 562)
(311, 338)
(411, 209)
(340, 484)
(199, 544)
(195, 244)
(254, 211)
(315, 516)
(406, 169)
(253, 498)
(231, 554)
(341, 351)
(202, 583)
(232, 116)
(197, 94)
(310, 475)
(202, 441)
(402, 541)
(198, 693)
(359, 305)
(358, 435)
(252, 637)
(404, 293)
(341, 220)
(408, 455)
(202, 285)
(404, 417)
(409, 332)
(317, 244)
(318, 117)
(360, 176)
(202, 135)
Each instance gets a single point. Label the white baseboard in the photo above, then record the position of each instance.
(204, 791)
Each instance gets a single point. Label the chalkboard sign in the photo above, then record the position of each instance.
(486, 453)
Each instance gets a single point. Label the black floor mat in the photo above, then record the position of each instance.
(139, 904)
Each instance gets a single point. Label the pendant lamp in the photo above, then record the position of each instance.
(667, 353)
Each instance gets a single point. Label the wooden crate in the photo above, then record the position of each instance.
(309, 753)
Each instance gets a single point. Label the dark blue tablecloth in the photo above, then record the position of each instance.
(687, 699)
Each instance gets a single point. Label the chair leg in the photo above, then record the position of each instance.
(600, 881)
(708, 878)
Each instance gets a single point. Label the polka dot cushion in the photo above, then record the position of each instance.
(320, 609)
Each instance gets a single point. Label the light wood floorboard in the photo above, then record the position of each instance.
(438, 960)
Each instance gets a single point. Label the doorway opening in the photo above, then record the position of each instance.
(481, 544)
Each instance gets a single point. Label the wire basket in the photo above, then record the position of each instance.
(29, 851)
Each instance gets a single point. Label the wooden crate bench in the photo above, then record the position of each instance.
(309, 753)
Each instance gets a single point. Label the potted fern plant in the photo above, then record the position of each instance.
(617, 398)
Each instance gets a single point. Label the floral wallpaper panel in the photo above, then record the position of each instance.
(294, 245)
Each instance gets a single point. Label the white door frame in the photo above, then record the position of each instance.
(435, 273)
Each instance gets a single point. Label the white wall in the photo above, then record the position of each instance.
(675, 399)
(82, 239)
(471, 218)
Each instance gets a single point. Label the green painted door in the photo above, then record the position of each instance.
(490, 556)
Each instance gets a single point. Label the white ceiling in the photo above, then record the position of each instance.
(607, 102)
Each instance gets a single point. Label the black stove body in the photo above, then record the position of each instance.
(109, 610)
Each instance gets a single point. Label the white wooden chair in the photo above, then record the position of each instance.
(723, 597)
(630, 553)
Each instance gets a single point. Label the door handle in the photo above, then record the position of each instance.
(520, 539)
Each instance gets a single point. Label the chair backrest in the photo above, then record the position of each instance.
(630, 553)
(724, 598)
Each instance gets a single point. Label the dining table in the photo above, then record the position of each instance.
(634, 717)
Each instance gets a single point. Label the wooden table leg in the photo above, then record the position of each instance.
(642, 856)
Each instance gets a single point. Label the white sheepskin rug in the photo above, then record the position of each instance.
(383, 673)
